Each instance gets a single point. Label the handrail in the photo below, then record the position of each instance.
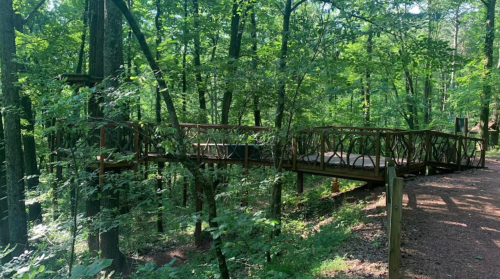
(326, 150)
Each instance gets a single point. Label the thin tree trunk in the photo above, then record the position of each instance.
(488, 65)
(179, 137)
(159, 197)
(203, 118)
(234, 55)
(81, 53)
(278, 122)
(184, 62)
(30, 164)
(159, 38)
(428, 74)
(456, 25)
(256, 96)
(367, 88)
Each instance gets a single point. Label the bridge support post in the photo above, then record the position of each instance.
(335, 185)
(184, 191)
(244, 190)
(199, 207)
(159, 197)
(431, 170)
(300, 183)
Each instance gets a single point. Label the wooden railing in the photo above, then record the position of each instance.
(246, 144)
(339, 150)
(351, 152)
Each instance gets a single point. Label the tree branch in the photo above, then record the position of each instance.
(298, 4)
(351, 14)
(34, 11)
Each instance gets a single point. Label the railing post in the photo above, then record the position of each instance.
(102, 145)
(146, 151)
(198, 209)
(198, 151)
(294, 153)
(322, 152)
(300, 182)
(427, 146)
(410, 147)
(483, 153)
(459, 153)
(387, 147)
(136, 148)
(388, 191)
(377, 154)
(395, 228)
(245, 163)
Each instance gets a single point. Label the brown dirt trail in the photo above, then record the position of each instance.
(450, 229)
(451, 225)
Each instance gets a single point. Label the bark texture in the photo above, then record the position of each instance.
(234, 55)
(18, 229)
(4, 207)
(30, 164)
(488, 65)
(200, 85)
(96, 69)
(113, 62)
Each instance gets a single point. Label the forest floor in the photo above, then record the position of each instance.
(450, 229)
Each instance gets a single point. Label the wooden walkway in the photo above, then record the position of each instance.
(346, 152)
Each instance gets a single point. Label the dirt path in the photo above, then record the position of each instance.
(450, 229)
(451, 225)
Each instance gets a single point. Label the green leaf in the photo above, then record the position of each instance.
(96, 266)
(478, 257)
(78, 271)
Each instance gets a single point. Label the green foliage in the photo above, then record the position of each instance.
(150, 271)
(89, 271)
(328, 70)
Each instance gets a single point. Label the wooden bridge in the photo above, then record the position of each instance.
(346, 152)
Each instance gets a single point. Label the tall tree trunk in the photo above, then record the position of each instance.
(367, 88)
(410, 92)
(113, 61)
(184, 61)
(30, 164)
(18, 229)
(96, 69)
(256, 97)
(4, 207)
(278, 122)
(81, 53)
(179, 137)
(234, 55)
(428, 72)
(488, 65)
(159, 38)
(200, 85)
(456, 25)
(29, 147)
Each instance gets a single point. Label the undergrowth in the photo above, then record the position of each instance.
(313, 227)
